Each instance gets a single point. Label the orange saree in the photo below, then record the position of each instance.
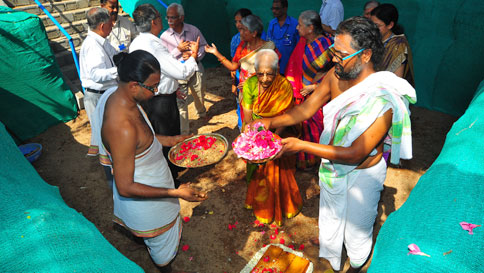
(272, 191)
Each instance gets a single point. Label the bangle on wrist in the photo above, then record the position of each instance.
(222, 59)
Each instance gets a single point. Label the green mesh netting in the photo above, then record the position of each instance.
(39, 232)
(445, 37)
(450, 192)
(33, 95)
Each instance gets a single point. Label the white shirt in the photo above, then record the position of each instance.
(171, 69)
(332, 13)
(123, 33)
(96, 63)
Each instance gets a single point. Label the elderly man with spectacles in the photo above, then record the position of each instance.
(162, 109)
(178, 39)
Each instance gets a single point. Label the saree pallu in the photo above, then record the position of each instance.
(272, 192)
(305, 63)
(398, 52)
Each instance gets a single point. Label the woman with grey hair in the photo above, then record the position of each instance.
(244, 58)
(307, 66)
(272, 191)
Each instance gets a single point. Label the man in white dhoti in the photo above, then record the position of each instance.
(366, 111)
(145, 198)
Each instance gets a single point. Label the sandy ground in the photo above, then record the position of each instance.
(213, 247)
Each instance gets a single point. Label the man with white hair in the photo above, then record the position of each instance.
(368, 7)
(178, 39)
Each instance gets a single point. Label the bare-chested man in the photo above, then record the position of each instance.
(365, 109)
(145, 199)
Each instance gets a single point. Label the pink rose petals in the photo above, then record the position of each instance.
(257, 144)
(469, 227)
(185, 247)
(186, 219)
(415, 250)
(190, 259)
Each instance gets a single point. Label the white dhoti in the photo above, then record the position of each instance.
(349, 196)
(355, 227)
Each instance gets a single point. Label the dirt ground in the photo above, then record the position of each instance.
(213, 247)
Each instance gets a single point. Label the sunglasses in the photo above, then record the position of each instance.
(153, 89)
(341, 59)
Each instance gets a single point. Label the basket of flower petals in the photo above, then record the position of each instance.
(199, 151)
(257, 145)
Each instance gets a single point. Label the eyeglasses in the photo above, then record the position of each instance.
(153, 89)
(340, 59)
(171, 17)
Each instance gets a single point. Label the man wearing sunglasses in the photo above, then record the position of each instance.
(364, 111)
(162, 109)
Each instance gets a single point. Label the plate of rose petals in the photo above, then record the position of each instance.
(199, 151)
(257, 145)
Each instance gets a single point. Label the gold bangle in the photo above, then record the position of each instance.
(223, 59)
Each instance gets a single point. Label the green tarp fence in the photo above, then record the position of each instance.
(450, 192)
(39, 232)
(33, 95)
(445, 36)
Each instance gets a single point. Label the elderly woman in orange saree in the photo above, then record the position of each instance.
(272, 191)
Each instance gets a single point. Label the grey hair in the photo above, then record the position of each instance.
(95, 16)
(143, 15)
(253, 23)
(371, 4)
(311, 18)
(179, 8)
(271, 54)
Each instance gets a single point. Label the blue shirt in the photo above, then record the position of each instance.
(285, 38)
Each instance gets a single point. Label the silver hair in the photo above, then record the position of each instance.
(311, 18)
(371, 4)
(95, 16)
(273, 57)
(179, 8)
(143, 15)
(253, 23)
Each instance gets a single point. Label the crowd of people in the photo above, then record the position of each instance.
(337, 92)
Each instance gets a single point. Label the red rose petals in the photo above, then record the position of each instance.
(186, 219)
(185, 247)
